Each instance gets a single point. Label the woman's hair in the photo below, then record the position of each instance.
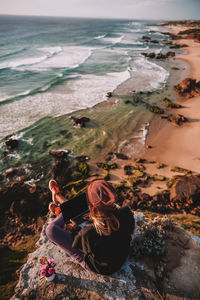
(104, 221)
(102, 199)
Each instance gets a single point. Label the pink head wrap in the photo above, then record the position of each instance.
(102, 195)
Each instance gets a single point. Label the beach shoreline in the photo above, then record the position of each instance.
(179, 145)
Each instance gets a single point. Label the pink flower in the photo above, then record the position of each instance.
(50, 261)
(51, 271)
(44, 267)
(43, 273)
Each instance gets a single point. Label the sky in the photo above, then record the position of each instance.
(128, 9)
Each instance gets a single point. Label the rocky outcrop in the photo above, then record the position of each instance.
(159, 55)
(170, 104)
(182, 196)
(185, 193)
(188, 88)
(192, 33)
(79, 122)
(23, 205)
(177, 119)
(135, 280)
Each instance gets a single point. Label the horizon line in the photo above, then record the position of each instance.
(100, 18)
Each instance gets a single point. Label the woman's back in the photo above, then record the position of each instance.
(106, 254)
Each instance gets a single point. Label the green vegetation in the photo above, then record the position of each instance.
(12, 258)
(139, 160)
(156, 109)
(83, 168)
(171, 181)
(106, 166)
(180, 170)
(106, 176)
(151, 242)
(160, 165)
(170, 104)
(138, 173)
(134, 180)
(157, 177)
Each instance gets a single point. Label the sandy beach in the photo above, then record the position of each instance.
(171, 144)
(176, 145)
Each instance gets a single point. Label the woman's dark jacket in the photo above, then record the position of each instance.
(106, 254)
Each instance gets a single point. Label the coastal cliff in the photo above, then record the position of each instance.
(136, 279)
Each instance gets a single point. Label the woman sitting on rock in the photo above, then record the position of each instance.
(102, 245)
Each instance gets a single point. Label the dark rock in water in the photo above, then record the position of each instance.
(161, 56)
(170, 54)
(154, 41)
(109, 94)
(4, 154)
(145, 37)
(121, 156)
(66, 133)
(79, 122)
(178, 46)
(150, 55)
(46, 145)
(84, 119)
(60, 154)
(128, 102)
(175, 68)
(10, 172)
(11, 144)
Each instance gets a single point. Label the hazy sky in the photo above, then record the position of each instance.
(132, 9)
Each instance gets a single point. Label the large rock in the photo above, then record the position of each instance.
(185, 193)
(135, 280)
(22, 211)
(188, 88)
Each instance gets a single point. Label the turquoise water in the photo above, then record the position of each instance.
(51, 68)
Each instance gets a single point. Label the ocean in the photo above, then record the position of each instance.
(50, 67)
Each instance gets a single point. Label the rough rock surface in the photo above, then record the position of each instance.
(188, 88)
(134, 281)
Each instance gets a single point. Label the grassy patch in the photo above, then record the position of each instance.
(11, 259)
(189, 222)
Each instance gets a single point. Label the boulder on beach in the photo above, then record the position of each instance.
(188, 88)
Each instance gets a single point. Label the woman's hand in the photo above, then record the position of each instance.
(71, 225)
